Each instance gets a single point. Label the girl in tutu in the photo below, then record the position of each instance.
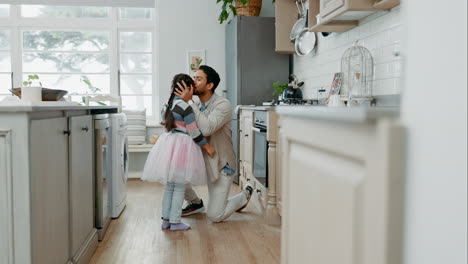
(176, 159)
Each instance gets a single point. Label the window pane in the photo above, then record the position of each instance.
(4, 39)
(135, 63)
(5, 80)
(5, 62)
(136, 13)
(74, 83)
(139, 101)
(65, 41)
(65, 62)
(136, 84)
(64, 11)
(135, 41)
(4, 10)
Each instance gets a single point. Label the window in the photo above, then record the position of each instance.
(135, 13)
(5, 63)
(136, 69)
(4, 10)
(85, 50)
(66, 59)
(64, 11)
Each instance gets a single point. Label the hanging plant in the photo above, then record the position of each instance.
(234, 6)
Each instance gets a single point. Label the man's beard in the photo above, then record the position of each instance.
(195, 92)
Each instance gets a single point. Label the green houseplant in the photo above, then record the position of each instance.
(29, 92)
(278, 89)
(239, 7)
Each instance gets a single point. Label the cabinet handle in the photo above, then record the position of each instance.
(85, 129)
(67, 132)
(259, 191)
(246, 135)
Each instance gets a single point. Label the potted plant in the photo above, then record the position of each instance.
(239, 7)
(278, 89)
(30, 92)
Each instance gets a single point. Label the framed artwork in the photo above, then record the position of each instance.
(195, 58)
(337, 83)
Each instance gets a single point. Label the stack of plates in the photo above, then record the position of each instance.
(136, 128)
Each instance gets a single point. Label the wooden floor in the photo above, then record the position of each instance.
(136, 237)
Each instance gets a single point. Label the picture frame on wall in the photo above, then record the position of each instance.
(195, 58)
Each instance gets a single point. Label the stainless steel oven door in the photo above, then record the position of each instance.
(260, 157)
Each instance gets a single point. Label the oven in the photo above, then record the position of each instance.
(260, 147)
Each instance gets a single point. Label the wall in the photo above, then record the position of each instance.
(380, 32)
(191, 25)
(434, 109)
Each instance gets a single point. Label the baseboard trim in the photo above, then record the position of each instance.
(84, 255)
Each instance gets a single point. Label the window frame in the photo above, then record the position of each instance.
(18, 24)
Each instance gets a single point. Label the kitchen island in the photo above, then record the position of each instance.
(342, 184)
(46, 182)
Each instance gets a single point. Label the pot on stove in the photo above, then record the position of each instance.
(293, 92)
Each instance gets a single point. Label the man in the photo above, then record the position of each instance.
(213, 115)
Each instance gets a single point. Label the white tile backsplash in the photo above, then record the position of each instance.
(380, 32)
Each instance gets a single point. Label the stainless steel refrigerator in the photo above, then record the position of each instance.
(252, 65)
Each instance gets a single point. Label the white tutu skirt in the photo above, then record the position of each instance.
(175, 158)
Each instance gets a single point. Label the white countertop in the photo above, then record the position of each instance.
(346, 114)
(22, 106)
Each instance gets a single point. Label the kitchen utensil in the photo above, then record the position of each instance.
(47, 94)
(293, 92)
(300, 23)
(305, 41)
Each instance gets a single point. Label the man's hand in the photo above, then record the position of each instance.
(184, 91)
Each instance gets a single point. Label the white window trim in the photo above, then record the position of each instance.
(17, 24)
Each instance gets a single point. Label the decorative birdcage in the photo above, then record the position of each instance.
(357, 66)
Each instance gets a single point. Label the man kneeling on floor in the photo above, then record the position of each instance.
(213, 115)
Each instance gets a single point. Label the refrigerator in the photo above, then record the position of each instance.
(252, 66)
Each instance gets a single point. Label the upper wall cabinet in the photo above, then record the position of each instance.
(342, 15)
(286, 15)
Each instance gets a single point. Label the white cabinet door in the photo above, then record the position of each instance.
(49, 191)
(329, 189)
(81, 180)
(6, 202)
(343, 185)
(328, 6)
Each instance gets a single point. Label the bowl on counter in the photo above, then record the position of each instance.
(47, 94)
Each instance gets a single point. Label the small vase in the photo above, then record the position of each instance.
(31, 94)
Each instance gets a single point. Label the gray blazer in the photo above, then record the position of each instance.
(215, 124)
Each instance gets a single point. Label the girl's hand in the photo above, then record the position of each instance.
(209, 150)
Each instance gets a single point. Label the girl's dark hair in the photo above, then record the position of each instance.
(168, 122)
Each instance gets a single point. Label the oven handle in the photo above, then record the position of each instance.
(256, 129)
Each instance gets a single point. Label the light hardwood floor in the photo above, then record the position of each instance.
(136, 237)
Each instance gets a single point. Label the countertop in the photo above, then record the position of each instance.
(22, 106)
(345, 114)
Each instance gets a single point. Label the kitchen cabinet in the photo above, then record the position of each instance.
(342, 15)
(245, 148)
(46, 184)
(81, 186)
(49, 191)
(264, 198)
(344, 184)
(286, 15)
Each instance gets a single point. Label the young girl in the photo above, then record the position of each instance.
(176, 159)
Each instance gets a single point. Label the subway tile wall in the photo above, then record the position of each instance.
(380, 32)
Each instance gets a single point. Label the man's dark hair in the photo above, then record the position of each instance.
(211, 76)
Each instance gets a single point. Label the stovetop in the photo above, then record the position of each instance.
(299, 102)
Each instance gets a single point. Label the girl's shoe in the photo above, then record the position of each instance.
(179, 226)
(165, 225)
